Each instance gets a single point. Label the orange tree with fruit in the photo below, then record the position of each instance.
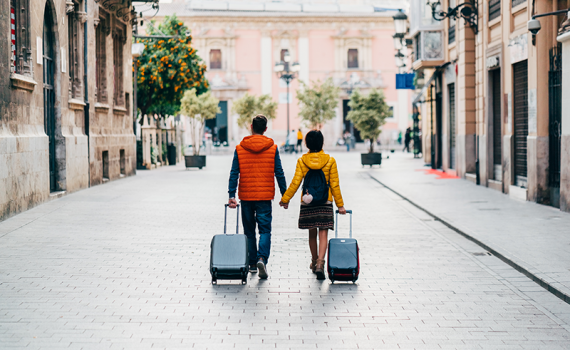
(167, 68)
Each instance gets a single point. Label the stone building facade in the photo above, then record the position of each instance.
(349, 41)
(57, 133)
(491, 107)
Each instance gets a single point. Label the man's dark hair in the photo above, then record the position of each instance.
(259, 124)
(314, 141)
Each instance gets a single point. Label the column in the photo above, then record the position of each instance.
(304, 57)
(266, 63)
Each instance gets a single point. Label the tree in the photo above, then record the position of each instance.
(198, 108)
(368, 113)
(318, 102)
(247, 106)
(167, 68)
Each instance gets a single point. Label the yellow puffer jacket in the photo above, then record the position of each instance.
(319, 160)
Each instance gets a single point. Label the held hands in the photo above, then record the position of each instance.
(342, 211)
(284, 205)
(232, 203)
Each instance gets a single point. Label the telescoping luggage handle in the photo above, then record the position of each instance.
(336, 226)
(226, 219)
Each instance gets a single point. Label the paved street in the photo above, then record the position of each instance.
(125, 266)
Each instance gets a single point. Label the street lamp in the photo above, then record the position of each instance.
(398, 44)
(287, 71)
(400, 60)
(468, 10)
(400, 23)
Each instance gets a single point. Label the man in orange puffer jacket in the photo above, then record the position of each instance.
(256, 162)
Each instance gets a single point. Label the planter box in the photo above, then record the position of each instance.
(195, 161)
(371, 158)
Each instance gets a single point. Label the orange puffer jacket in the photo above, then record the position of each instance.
(256, 156)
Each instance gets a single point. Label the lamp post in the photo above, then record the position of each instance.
(401, 28)
(287, 71)
(468, 10)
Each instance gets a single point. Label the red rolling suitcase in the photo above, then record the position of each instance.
(343, 262)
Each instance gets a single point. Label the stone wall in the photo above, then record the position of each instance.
(24, 144)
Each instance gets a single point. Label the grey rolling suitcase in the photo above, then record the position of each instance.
(229, 255)
(343, 258)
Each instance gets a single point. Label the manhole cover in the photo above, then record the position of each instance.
(482, 254)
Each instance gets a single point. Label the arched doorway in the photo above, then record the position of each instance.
(49, 71)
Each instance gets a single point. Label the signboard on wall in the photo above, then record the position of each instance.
(405, 81)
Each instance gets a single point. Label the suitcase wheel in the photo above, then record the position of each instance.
(244, 281)
(214, 281)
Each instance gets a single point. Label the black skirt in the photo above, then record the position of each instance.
(316, 216)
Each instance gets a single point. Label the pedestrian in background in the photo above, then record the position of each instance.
(315, 217)
(347, 140)
(256, 162)
(292, 138)
(300, 141)
(407, 140)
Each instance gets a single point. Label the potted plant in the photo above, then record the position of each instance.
(317, 102)
(248, 106)
(198, 108)
(368, 114)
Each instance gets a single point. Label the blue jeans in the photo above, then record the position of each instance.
(252, 213)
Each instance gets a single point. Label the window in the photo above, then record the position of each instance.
(352, 58)
(494, 9)
(215, 59)
(75, 19)
(21, 51)
(418, 47)
(101, 32)
(451, 34)
(283, 53)
(119, 38)
(518, 2)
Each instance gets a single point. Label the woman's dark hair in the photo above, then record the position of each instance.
(314, 141)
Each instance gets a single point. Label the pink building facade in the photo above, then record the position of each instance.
(241, 42)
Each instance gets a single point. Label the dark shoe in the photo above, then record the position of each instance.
(262, 269)
(319, 269)
(253, 268)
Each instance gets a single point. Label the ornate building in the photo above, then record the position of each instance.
(65, 87)
(348, 41)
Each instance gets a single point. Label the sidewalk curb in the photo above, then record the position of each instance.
(534, 277)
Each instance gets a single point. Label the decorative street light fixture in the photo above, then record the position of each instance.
(398, 41)
(287, 71)
(400, 23)
(401, 28)
(467, 10)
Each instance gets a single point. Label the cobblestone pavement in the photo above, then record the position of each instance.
(125, 266)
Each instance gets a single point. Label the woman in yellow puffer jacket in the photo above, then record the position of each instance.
(316, 218)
